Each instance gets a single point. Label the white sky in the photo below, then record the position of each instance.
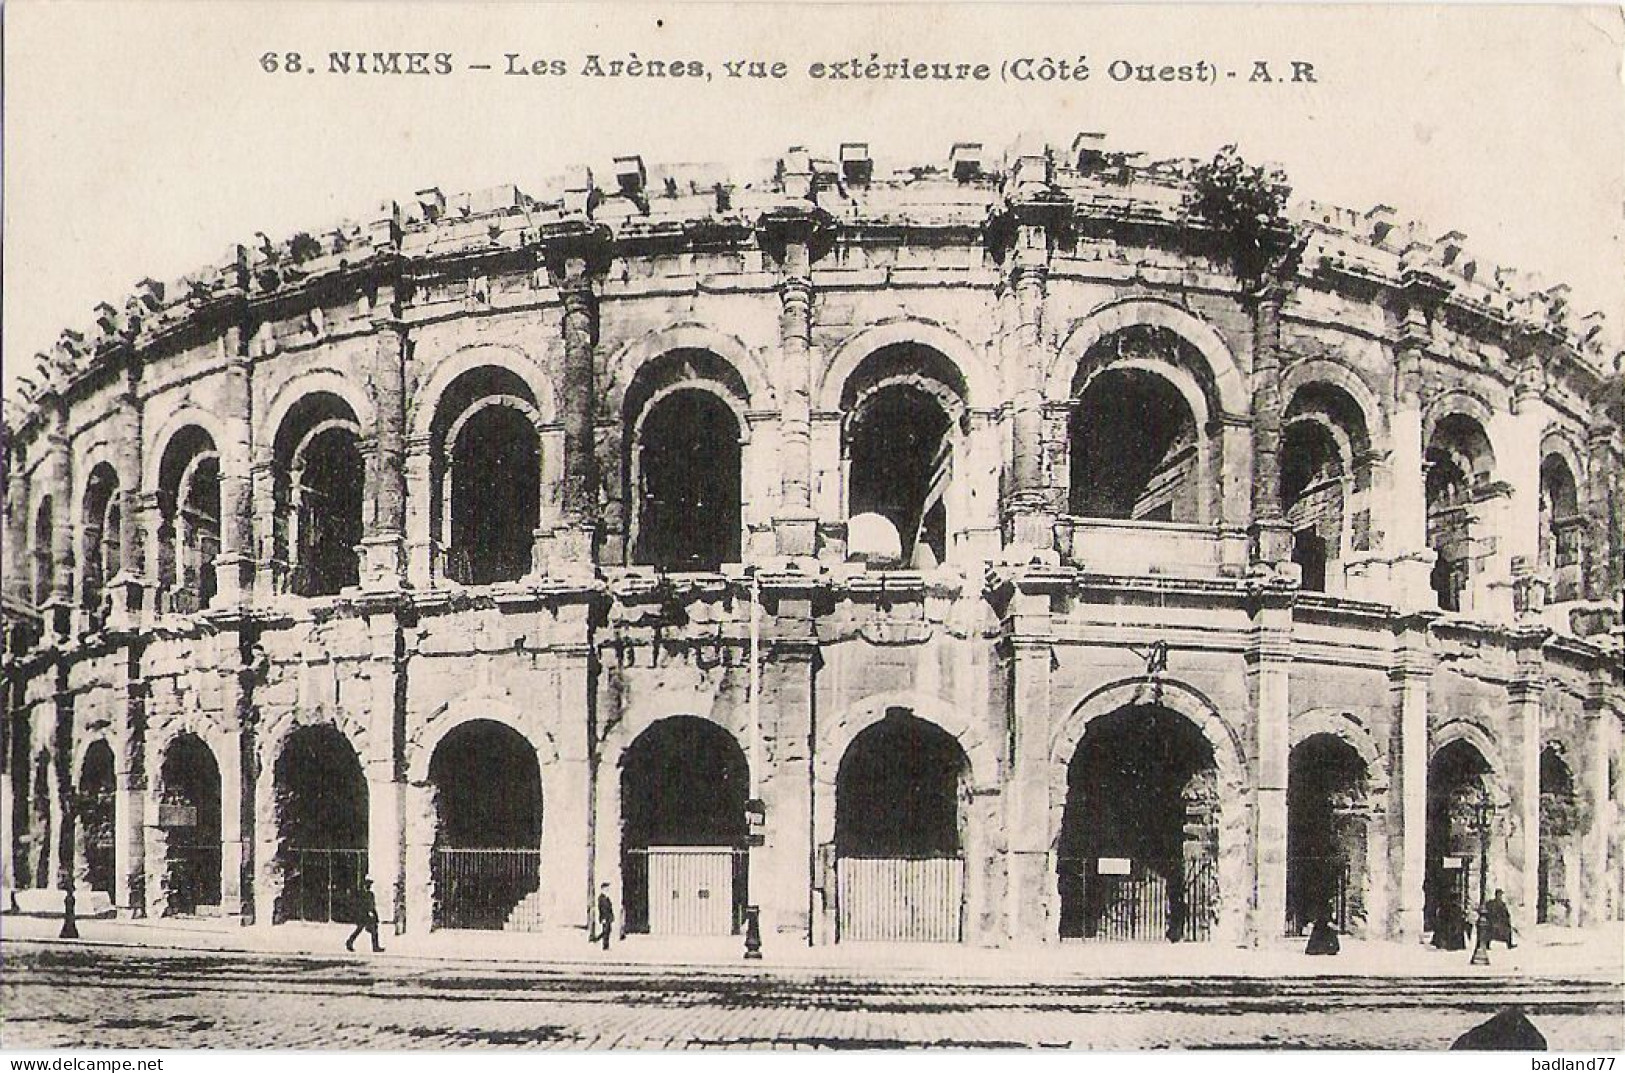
(144, 139)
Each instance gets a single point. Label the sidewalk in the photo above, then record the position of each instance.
(1594, 953)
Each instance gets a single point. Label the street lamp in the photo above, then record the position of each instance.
(1483, 814)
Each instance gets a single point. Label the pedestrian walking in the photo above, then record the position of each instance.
(366, 918)
(1498, 921)
(605, 925)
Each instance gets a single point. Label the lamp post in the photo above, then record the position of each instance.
(1483, 813)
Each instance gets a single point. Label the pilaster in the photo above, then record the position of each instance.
(1411, 559)
(1410, 675)
(1269, 674)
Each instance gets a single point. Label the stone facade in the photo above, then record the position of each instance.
(412, 480)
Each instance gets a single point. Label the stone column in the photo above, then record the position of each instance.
(1031, 909)
(19, 575)
(420, 824)
(234, 566)
(781, 878)
(127, 586)
(1517, 440)
(1410, 674)
(787, 235)
(576, 255)
(1031, 519)
(59, 466)
(1407, 529)
(1524, 696)
(1603, 470)
(568, 837)
(1269, 673)
(384, 767)
(65, 816)
(383, 541)
(1271, 537)
(1601, 740)
(130, 806)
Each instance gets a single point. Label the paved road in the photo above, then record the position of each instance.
(57, 996)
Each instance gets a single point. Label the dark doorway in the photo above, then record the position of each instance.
(1139, 835)
(319, 492)
(1325, 834)
(97, 787)
(189, 810)
(321, 804)
(688, 483)
(900, 794)
(495, 496)
(900, 459)
(488, 829)
(39, 828)
(1559, 835)
(684, 787)
(1458, 790)
(1133, 450)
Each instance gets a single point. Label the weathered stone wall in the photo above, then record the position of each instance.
(1036, 624)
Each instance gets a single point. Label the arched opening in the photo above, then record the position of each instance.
(1134, 449)
(1562, 528)
(1138, 849)
(95, 815)
(900, 406)
(488, 829)
(487, 486)
(684, 857)
(1458, 463)
(900, 796)
(189, 520)
(1558, 884)
(1325, 481)
(1326, 818)
(321, 808)
(189, 813)
(99, 561)
(688, 492)
(318, 489)
(44, 533)
(1460, 827)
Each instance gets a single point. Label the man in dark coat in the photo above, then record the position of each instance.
(1498, 921)
(366, 918)
(606, 914)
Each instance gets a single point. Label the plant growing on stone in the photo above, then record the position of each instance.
(1246, 208)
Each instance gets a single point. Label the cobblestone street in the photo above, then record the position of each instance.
(60, 996)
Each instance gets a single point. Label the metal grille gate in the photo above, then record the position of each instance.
(487, 889)
(1137, 907)
(900, 899)
(321, 884)
(1301, 916)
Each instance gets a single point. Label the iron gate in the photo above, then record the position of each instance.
(1142, 905)
(685, 890)
(487, 889)
(1305, 870)
(194, 877)
(322, 884)
(900, 899)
